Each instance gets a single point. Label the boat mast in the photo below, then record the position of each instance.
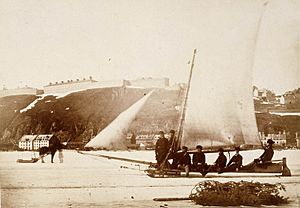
(182, 116)
(176, 145)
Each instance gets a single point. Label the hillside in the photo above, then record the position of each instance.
(82, 115)
(77, 116)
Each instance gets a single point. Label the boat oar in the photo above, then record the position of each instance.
(172, 199)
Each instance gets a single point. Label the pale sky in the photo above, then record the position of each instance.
(45, 41)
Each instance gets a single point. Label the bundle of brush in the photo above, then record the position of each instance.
(214, 193)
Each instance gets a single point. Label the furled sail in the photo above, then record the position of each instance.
(220, 109)
(114, 135)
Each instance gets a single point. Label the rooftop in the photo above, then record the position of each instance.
(27, 138)
(44, 137)
(71, 82)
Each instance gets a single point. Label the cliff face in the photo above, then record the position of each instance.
(9, 111)
(77, 116)
(82, 115)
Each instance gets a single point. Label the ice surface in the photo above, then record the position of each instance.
(89, 181)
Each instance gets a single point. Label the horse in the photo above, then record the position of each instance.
(54, 145)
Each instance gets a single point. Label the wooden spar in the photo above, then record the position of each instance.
(172, 199)
(182, 117)
(118, 158)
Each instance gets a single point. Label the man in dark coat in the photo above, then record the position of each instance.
(268, 153)
(219, 164)
(265, 158)
(235, 162)
(184, 161)
(199, 160)
(161, 148)
(172, 141)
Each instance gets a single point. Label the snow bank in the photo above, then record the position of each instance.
(286, 114)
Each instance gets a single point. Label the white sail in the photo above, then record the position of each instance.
(114, 135)
(220, 109)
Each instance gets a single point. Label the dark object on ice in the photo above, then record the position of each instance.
(33, 160)
(54, 145)
(214, 193)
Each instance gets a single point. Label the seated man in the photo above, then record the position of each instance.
(268, 153)
(199, 160)
(265, 158)
(235, 162)
(219, 164)
(184, 161)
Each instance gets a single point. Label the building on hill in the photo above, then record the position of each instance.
(77, 85)
(279, 139)
(34, 142)
(26, 142)
(292, 99)
(41, 140)
(149, 82)
(141, 141)
(266, 95)
(18, 91)
(68, 86)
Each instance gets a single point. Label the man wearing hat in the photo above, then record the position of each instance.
(235, 162)
(161, 148)
(172, 141)
(219, 164)
(184, 161)
(199, 160)
(268, 153)
(265, 157)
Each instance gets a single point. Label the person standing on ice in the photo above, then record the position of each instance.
(172, 141)
(161, 149)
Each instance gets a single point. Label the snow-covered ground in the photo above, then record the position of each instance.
(41, 97)
(89, 181)
(286, 113)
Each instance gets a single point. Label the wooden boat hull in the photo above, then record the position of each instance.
(274, 167)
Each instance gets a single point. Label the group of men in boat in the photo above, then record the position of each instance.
(166, 149)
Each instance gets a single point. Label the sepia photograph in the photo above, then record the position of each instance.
(148, 103)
